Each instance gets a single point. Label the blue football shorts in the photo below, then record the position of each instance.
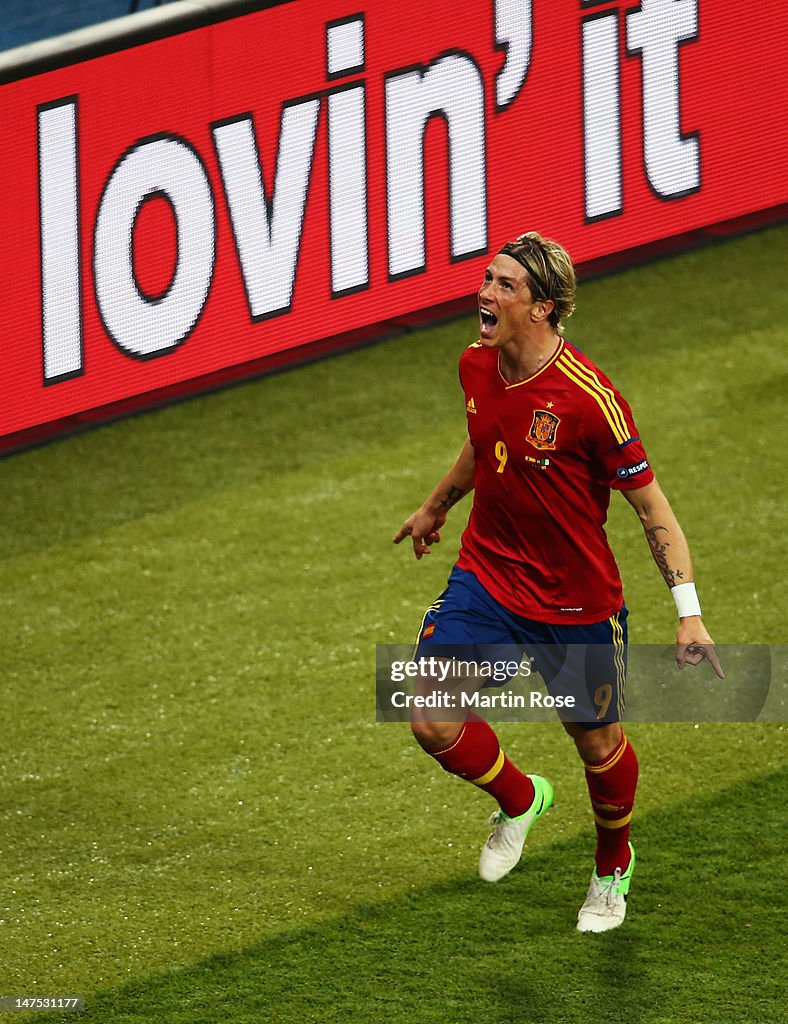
(588, 662)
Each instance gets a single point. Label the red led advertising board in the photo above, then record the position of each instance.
(236, 190)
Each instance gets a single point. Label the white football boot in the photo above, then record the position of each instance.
(505, 846)
(606, 903)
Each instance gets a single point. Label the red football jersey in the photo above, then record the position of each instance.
(548, 450)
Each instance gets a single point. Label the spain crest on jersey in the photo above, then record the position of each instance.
(543, 429)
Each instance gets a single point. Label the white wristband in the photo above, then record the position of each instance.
(686, 598)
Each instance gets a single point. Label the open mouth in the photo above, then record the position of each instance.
(487, 320)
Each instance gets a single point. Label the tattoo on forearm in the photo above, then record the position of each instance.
(451, 497)
(659, 549)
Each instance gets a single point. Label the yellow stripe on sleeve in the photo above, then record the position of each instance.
(604, 398)
(607, 393)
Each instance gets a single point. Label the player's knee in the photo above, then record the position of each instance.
(434, 736)
(597, 744)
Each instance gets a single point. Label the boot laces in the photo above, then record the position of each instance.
(610, 887)
(498, 822)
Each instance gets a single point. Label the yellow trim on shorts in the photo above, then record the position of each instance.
(618, 659)
(432, 608)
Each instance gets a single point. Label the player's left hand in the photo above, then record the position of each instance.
(423, 528)
(693, 644)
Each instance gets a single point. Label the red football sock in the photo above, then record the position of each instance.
(611, 786)
(477, 757)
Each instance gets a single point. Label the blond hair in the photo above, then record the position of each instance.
(550, 273)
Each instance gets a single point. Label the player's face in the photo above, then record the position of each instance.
(505, 303)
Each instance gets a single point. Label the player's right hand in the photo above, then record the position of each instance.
(693, 644)
(423, 528)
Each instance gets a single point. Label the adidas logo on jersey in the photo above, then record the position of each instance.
(470, 405)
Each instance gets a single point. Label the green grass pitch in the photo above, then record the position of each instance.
(199, 818)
